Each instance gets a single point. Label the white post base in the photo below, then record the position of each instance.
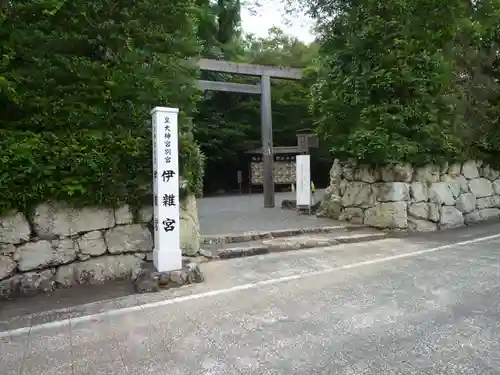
(165, 261)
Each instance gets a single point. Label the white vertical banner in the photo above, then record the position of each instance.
(303, 178)
(167, 254)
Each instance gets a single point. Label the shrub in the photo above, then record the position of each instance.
(77, 82)
(386, 90)
(84, 168)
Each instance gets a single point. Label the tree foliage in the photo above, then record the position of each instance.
(95, 65)
(228, 124)
(78, 81)
(386, 93)
(407, 80)
(476, 53)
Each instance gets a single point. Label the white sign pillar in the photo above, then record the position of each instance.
(303, 178)
(167, 254)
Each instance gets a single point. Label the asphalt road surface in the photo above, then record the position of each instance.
(423, 305)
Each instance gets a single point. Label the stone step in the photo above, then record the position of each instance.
(269, 234)
(287, 243)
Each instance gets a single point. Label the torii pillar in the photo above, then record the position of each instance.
(264, 89)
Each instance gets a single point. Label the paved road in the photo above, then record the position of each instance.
(244, 213)
(421, 305)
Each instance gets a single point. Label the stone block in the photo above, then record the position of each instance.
(441, 193)
(419, 192)
(354, 215)
(470, 170)
(393, 192)
(348, 172)
(481, 187)
(443, 169)
(451, 217)
(466, 203)
(472, 218)
(98, 270)
(179, 277)
(190, 226)
(335, 173)
(288, 243)
(424, 210)
(42, 254)
(330, 208)
(453, 185)
(92, 243)
(27, 283)
(421, 225)
(488, 202)
(129, 239)
(14, 228)
(434, 212)
(163, 278)
(36, 282)
(194, 274)
(454, 170)
(396, 173)
(65, 275)
(359, 194)
(146, 281)
(482, 215)
(146, 214)
(332, 190)
(427, 174)
(391, 215)
(141, 256)
(489, 173)
(123, 215)
(496, 186)
(7, 267)
(462, 183)
(56, 220)
(8, 250)
(82, 256)
(366, 174)
(8, 287)
(343, 187)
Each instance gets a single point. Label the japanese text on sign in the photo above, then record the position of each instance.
(166, 186)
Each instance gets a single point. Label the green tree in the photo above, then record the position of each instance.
(228, 124)
(476, 56)
(219, 33)
(85, 76)
(95, 65)
(407, 80)
(218, 28)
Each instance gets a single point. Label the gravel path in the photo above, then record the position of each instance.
(244, 213)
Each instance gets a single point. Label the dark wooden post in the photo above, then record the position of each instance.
(265, 72)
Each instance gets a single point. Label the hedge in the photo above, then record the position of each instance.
(85, 167)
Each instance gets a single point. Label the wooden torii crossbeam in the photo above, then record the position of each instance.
(264, 89)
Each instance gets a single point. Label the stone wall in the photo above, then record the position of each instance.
(58, 246)
(419, 199)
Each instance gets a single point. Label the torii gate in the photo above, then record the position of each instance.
(264, 89)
